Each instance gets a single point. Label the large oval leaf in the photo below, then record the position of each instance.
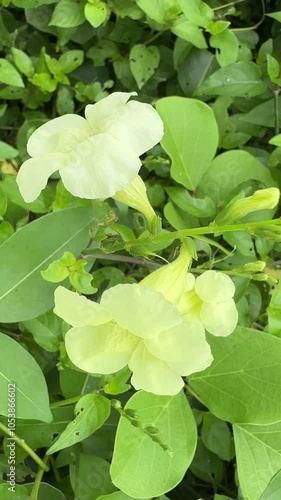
(24, 294)
(140, 467)
(190, 137)
(28, 385)
(243, 384)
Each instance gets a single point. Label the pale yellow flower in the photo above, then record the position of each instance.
(136, 326)
(96, 156)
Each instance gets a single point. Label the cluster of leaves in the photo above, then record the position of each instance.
(213, 70)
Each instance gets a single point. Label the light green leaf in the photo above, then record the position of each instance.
(46, 331)
(272, 492)
(91, 411)
(6, 230)
(227, 46)
(275, 15)
(227, 171)
(143, 63)
(38, 244)
(190, 137)
(68, 14)
(28, 384)
(258, 457)
(9, 75)
(3, 202)
(197, 11)
(244, 380)
(23, 62)
(241, 79)
(70, 60)
(159, 10)
(274, 311)
(273, 68)
(189, 32)
(116, 495)
(139, 466)
(96, 13)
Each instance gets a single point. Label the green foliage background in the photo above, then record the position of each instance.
(56, 57)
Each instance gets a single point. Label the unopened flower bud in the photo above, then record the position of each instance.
(170, 279)
(257, 266)
(134, 196)
(132, 413)
(151, 429)
(260, 200)
(116, 404)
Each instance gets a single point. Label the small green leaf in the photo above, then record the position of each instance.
(21, 371)
(200, 207)
(143, 63)
(23, 62)
(68, 14)
(46, 330)
(274, 311)
(96, 12)
(227, 46)
(9, 75)
(189, 31)
(217, 437)
(275, 15)
(273, 68)
(91, 411)
(71, 60)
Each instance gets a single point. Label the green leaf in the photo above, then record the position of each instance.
(159, 10)
(228, 171)
(272, 492)
(200, 207)
(19, 493)
(9, 75)
(189, 32)
(274, 311)
(273, 68)
(38, 244)
(190, 137)
(70, 60)
(3, 202)
(91, 411)
(10, 187)
(197, 11)
(23, 62)
(263, 114)
(68, 14)
(258, 457)
(143, 63)
(241, 79)
(227, 46)
(116, 495)
(275, 15)
(216, 436)
(46, 331)
(244, 380)
(28, 384)
(40, 434)
(195, 68)
(139, 466)
(90, 477)
(47, 491)
(96, 12)
(206, 465)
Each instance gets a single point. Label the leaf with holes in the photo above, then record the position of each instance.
(143, 63)
(91, 411)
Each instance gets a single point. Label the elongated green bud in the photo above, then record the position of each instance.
(269, 232)
(260, 200)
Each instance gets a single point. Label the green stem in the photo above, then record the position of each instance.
(153, 37)
(255, 26)
(36, 485)
(121, 258)
(227, 5)
(183, 233)
(24, 446)
(65, 402)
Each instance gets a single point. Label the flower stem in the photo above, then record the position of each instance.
(65, 402)
(24, 446)
(36, 485)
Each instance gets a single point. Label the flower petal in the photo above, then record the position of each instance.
(34, 173)
(136, 124)
(152, 374)
(99, 167)
(213, 286)
(219, 319)
(184, 348)
(142, 311)
(49, 137)
(97, 114)
(100, 349)
(76, 310)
